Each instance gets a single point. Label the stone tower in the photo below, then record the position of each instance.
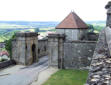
(25, 48)
(73, 27)
(108, 7)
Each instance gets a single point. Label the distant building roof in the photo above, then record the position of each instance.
(72, 21)
(4, 53)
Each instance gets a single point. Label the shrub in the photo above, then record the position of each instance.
(8, 45)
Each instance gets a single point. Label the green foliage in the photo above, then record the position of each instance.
(6, 34)
(68, 77)
(8, 45)
(37, 30)
(91, 28)
(53, 30)
(98, 27)
(95, 28)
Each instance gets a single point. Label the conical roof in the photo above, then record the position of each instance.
(72, 21)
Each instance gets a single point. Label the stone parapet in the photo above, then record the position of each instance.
(108, 7)
(79, 41)
(26, 34)
(56, 36)
(100, 68)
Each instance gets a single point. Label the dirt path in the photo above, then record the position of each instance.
(44, 75)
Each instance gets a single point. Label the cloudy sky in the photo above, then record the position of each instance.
(51, 10)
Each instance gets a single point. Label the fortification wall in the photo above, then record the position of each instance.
(78, 54)
(42, 47)
(41, 51)
(70, 54)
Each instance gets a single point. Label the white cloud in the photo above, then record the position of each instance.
(51, 10)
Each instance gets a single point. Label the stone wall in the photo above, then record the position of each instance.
(55, 50)
(22, 49)
(25, 48)
(42, 47)
(108, 7)
(2, 45)
(69, 54)
(92, 36)
(6, 64)
(78, 54)
(72, 34)
(100, 68)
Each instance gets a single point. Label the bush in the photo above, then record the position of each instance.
(91, 28)
(37, 30)
(8, 45)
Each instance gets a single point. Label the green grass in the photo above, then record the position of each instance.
(68, 77)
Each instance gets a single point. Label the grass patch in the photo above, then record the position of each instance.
(68, 77)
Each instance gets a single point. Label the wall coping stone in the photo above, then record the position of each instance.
(26, 34)
(79, 41)
(7, 63)
(42, 39)
(56, 36)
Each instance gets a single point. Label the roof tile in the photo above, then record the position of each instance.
(72, 21)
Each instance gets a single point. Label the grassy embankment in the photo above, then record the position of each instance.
(68, 77)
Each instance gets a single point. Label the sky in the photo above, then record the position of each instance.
(51, 10)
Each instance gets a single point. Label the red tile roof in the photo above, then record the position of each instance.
(4, 53)
(72, 21)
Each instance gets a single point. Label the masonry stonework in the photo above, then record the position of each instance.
(72, 34)
(73, 51)
(78, 54)
(55, 50)
(108, 7)
(73, 27)
(42, 47)
(25, 48)
(100, 68)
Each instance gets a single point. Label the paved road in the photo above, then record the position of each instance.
(26, 75)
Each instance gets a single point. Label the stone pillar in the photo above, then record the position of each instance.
(25, 48)
(55, 50)
(108, 7)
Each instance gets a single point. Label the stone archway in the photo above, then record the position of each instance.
(34, 52)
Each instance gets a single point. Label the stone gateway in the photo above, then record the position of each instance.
(25, 48)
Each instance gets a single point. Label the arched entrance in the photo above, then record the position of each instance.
(34, 52)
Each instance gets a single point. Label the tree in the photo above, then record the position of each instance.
(37, 30)
(91, 28)
(8, 45)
